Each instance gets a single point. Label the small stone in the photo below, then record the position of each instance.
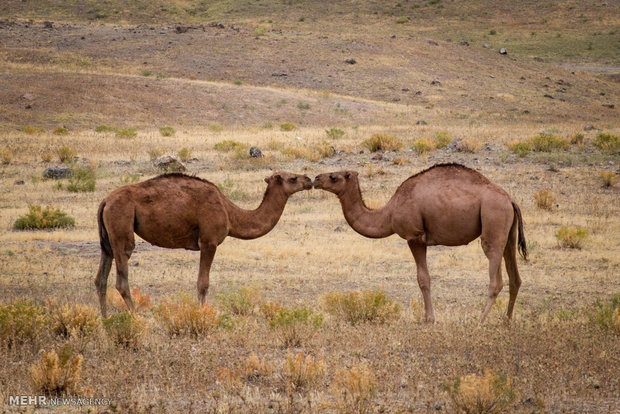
(432, 42)
(503, 51)
(438, 406)
(421, 122)
(548, 96)
(255, 152)
(351, 61)
(20, 182)
(538, 59)
(588, 127)
(181, 29)
(435, 82)
(57, 173)
(28, 97)
(169, 163)
(48, 25)
(464, 43)
(610, 106)
(339, 229)
(486, 46)
(280, 74)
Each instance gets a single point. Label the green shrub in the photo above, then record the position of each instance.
(366, 306)
(104, 128)
(187, 317)
(29, 129)
(402, 20)
(126, 133)
(125, 329)
(442, 139)
(22, 322)
(607, 142)
(607, 315)
(295, 326)
(267, 125)
(48, 218)
(66, 154)
(167, 131)
(547, 143)
(229, 145)
(334, 133)
(382, 142)
(185, 154)
(572, 237)
(61, 131)
(216, 127)
(82, 181)
(520, 148)
(146, 73)
(239, 301)
(287, 126)
(423, 145)
(303, 106)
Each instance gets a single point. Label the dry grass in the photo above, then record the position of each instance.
(57, 373)
(490, 393)
(187, 317)
(544, 199)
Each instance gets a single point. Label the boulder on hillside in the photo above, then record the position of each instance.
(255, 152)
(169, 163)
(57, 173)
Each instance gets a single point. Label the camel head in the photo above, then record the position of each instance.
(335, 182)
(290, 183)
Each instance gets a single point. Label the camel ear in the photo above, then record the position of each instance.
(278, 178)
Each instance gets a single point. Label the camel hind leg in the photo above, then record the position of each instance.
(101, 280)
(510, 257)
(424, 279)
(207, 252)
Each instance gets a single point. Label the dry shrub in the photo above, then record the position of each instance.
(302, 372)
(365, 306)
(382, 142)
(608, 178)
(187, 317)
(66, 154)
(423, 145)
(185, 154)
(239, 301)
(520, 148)
(471, 145)
(57, 373)
(6, 156)
(22, 322)
(372, 170)
(141, 302)
(155, 153)
(167, 131)
(74, 320)
(399, 160)
(477, 394)
(607, 315)
(334, 133)
(253, 368)
(577, 139)
(29, 129)
(60, 131)
(46, 156)
(229, 145)
(295, 326)
(547, 142)
(571, 236)
(544, 199)
(312, 153)
(287, 126)
(229, 378)
(607, 142)
(126, 133)
(354, 389)
(126, 329)
(270, 310)
(274, 145)
(417, 310)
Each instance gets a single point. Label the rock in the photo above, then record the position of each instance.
(281, 74)
(438, 406)
(181, 29)
(351, 61)
(486, 46)
(217, 24)
(57, 173)
(421, 122)
(405, 89)
(464, 43)
(28, 97)
(20, 182)
(548, 96)
(432, 42)
(539, 59)
(169, 163)
(588, 127)
(339, 229)
(503, 51)
(435, 82)
(48, 25)
(454, 145)
(255, 152)
(378, 156)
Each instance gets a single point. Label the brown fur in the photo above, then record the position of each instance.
(180, 211)
(449, 205)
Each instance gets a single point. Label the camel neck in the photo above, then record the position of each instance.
(373, 223)
(251, 224)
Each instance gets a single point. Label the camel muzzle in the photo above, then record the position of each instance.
(307, 183)
(317, 182)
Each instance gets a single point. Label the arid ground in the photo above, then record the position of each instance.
(100, 81)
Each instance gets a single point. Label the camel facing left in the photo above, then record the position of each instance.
(178, 211)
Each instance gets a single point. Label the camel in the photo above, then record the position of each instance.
(178, 211)
(447, 205)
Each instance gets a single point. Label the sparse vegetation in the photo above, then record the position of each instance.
(423, 145)
(441, 139)
(304, 106)
(66, 154)
(229, 145)
(126, 329)
(303, 372)
(126, 133)
(184, 154)
(607, 314)
(382, 142)
(74, 320)
(83, 180)
(470, 145)
(608, 178)
(32, 130)
(57, 374)
(607, 142)
(476, 394)
(355, 389)
(571, 236)
(520, 148)
(366, 306)
(402, 20)
(6, 156)
(43, 218)
(21, 322)
(240, 301)
(287, 126)
(141, 302)
(187, 317)
(295, 326)
(61, 131)
(167, 131)
(544, 199)
(104, 128)
(547, 142)
(334, 133)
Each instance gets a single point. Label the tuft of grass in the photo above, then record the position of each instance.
(403, 20)
(423, 145)
(46, 156)
(571, 236)
(184, 154)
(229, 145)
(57, 373)
(547, 142)
(544, 199)
(66, 154)
(6, 156)
(607, 315)
(441, 139)
(334, 133)
(382, 142)
(253, 368)
(271, 310)
(83, 180)
(607, 142)
(490, 393)
(303, 372)
(520, 148)
(355, 389)
(216, 127)
(22, 321)
(61, 131)
(141, 302)
(126, 329)
(312, 153)
(47, 218)
(287, 126)
(146, 72)
(155, 153)
(239, 301)
(126, 133)
(187, 317)
(365, 306)
(104, 128)
(295, 326)
(470, 145)
(32, 130)
(303, 106)
(167, 131)
(608, 178)
(74, 320)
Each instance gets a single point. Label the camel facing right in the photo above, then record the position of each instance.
(448, 205)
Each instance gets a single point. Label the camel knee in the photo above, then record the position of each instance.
(424, 282)
(495, 288)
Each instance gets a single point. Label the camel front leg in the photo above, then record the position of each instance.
(424, 279)
(207, 252)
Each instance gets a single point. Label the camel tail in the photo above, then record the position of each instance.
(522, 245)
(104, 240)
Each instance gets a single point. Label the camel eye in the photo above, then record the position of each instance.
(293, 180)
(332, 178)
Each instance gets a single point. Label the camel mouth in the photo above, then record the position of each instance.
(308, 185)
(317, 183)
